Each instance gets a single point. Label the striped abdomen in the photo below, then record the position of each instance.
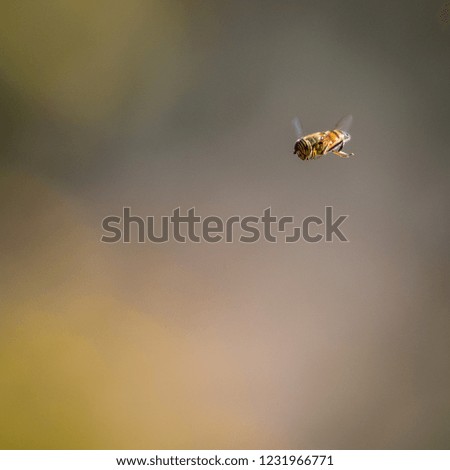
(302, 148)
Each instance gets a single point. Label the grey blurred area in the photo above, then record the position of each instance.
(162, 104)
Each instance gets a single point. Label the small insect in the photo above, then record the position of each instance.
(309, 147)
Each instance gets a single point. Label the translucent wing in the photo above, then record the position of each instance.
(297, 127)
(345, 123)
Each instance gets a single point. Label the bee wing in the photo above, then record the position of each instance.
(298, 127)
(345, 123)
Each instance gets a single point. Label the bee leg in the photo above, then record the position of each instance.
(343, 154)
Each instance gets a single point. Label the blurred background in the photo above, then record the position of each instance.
(156, 104)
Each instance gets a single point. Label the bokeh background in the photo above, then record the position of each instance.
(156, 104)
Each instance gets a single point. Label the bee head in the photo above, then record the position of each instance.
(347, 136)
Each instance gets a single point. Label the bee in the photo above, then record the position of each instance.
(309, 147)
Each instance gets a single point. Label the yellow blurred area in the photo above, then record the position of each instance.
(80, 369)
(95, 375)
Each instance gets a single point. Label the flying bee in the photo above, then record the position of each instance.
(309, 147)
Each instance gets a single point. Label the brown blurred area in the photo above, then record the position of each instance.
(163, 104)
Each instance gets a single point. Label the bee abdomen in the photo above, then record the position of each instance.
(302, 149)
